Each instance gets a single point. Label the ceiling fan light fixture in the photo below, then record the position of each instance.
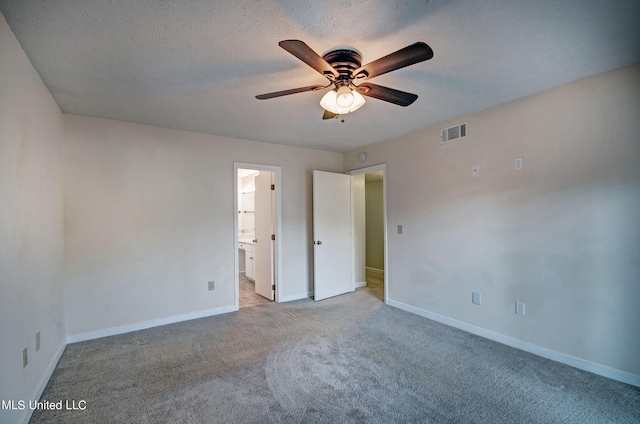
(343, 66)
(358, 101)
(330, 102)
(344, 97)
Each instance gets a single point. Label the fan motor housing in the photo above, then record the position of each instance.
(344, 61)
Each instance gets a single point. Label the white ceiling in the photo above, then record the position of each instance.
(197, 65)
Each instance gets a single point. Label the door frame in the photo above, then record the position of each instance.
(380, 167)
(277, 265)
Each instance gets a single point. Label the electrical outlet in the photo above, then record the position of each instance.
(476, 298)
(25, 360)
(520, 308)
(37, 341)
(212, 285)
(475, 171)
(519, 164)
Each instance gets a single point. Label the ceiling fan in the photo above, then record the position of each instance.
(342, 67)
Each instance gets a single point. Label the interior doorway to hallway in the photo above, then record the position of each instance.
(370, 246)
(256, 230)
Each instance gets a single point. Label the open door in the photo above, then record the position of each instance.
(333, 249)
(263, 248)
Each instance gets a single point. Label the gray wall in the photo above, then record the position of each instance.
(562, 235)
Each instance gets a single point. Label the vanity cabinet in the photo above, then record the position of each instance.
(248, 258)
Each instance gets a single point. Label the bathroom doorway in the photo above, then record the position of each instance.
(257, 201)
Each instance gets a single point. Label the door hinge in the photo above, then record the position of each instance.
(273, 287)
(273, 237)
(273, 186)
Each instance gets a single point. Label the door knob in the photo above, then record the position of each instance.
(319, 242)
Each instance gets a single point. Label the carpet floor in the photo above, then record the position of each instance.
(348, 359)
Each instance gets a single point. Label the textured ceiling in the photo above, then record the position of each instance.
(197, 65)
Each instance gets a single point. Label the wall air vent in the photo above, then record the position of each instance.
(453, 133)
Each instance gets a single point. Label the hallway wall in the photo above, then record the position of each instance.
(374, 200)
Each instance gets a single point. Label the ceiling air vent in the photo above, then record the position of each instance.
(453, 133)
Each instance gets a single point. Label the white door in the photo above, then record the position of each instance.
(263, 251)
(332, 235)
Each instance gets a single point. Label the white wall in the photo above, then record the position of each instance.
(150, 220)
(31, 227)
(359, 229)
(562, 235)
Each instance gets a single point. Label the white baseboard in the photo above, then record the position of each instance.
(583, 364)
(148, 324)
(361, 284)
(43, 382)
(374, 270)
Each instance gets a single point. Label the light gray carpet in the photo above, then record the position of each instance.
(349, 359)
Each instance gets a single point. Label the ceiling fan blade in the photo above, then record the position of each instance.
(287, 92)
(391, 95)
(415, 53)
(303, 52)
(328, 115)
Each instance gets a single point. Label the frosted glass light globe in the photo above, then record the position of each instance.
(344, 97)
(329, 102)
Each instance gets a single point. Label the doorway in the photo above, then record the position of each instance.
(256, 225)
(340, 241)
(369, 229)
